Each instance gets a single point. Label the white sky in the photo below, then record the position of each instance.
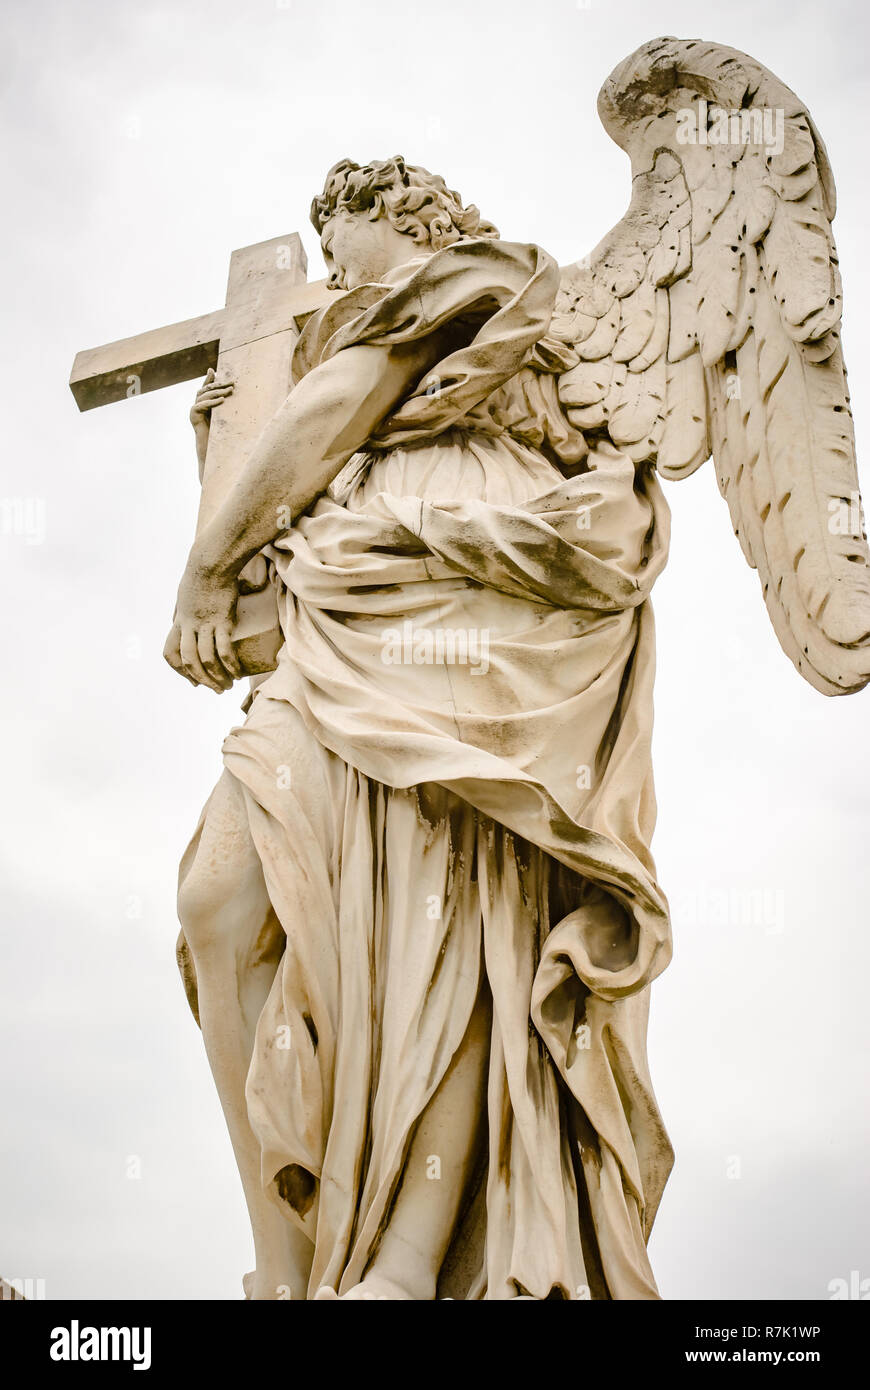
(142, 143)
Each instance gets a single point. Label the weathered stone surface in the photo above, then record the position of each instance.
(420, 914)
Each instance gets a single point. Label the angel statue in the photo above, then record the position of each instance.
(420, 916)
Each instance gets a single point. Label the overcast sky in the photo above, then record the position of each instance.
(142, 143)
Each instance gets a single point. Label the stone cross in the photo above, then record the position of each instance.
(250, 340)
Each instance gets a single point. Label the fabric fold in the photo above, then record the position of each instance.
(467, 679)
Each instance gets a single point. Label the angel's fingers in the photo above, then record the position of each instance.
(208, 380)
(172, 653)
(190, 657)
(205, 646)
(211, 395)
(223, 640)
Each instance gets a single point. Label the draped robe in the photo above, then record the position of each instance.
(448, 783)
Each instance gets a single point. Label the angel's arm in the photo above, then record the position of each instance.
(325, 419)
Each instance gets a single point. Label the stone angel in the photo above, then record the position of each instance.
(420, 915)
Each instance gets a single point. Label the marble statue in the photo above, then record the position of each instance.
(420, 916)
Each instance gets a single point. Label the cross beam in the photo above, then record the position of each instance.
(250, 340)
(163, 357)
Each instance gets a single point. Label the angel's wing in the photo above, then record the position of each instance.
(707, 322)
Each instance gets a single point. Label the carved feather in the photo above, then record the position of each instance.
(709, 321)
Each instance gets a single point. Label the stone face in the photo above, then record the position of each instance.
(420, 914)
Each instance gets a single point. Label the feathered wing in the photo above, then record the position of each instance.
(708, 320)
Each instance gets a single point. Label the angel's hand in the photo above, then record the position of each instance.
(200, 643)
(210, 394)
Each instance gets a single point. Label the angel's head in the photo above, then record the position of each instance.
(375, 217)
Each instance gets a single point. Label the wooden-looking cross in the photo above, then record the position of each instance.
(251, 341)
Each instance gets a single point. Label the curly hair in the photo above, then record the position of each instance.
(416, 202)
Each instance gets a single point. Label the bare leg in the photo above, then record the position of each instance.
(236, 943)
(422, 1221)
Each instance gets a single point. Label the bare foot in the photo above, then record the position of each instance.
(374, 1288)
